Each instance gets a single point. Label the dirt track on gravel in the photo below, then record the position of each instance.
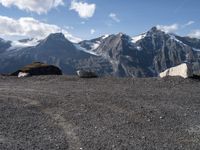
(62, 112)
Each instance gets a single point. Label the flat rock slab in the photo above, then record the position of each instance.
(62, 112)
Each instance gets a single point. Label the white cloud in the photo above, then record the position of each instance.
(168, 29)
(188, 24)
(38, 6)
(84, 10)
(195, 34)
(114, 17)
(30, 27)
(92, 31)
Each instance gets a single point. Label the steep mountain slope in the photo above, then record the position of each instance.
(56, 50)
(145, 55)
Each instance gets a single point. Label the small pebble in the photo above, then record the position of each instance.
(143, 137)
(161, 117)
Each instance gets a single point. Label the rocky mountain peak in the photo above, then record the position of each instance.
(155, 31)
(55, 40)
(122, 35)
(57, 37)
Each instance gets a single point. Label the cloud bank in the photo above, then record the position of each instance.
(195, 34)
(168, 29)
(30, 27)
(84, 9)
(37, 6)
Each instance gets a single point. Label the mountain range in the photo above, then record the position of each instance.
(121, 55)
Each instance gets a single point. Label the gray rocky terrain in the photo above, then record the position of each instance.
(66, 112)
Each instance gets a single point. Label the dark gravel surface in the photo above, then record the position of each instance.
(62, 112)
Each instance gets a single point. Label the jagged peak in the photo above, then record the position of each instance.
(55, 39)
(59, 37)
(155, 30)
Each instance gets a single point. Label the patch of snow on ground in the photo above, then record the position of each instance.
(137, 38)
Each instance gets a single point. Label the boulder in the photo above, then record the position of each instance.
(183, 70)
(86, 74)
(37, 68)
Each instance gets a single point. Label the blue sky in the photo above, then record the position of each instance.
(86, 19)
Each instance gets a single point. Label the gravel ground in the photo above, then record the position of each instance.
(62, 112)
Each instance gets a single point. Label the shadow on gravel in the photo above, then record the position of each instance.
(195, 77)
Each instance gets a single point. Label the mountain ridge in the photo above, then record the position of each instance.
(145, 55)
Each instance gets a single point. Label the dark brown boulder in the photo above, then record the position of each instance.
(38, 68)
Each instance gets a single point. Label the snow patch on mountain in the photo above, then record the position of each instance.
(95, 45)
(137, 38)
(105, 36)
(195, 49)
(85, 50)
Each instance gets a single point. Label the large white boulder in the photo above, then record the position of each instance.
(183, 70)
(23, 74)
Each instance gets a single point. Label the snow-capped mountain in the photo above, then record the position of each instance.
(56, 50)
(145, 55)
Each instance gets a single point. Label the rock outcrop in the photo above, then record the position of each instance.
(183, 70)
(38, 68)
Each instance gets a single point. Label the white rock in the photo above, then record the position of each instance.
(23, 74)
(184, 70)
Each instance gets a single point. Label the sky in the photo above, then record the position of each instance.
(87, 19)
